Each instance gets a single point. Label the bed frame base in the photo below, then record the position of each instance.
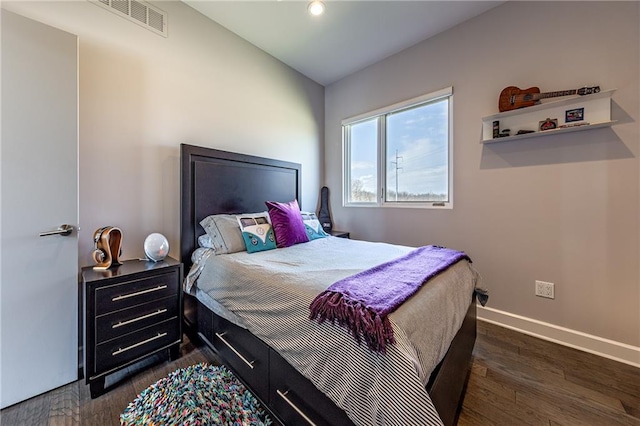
(449, 379)
(271, 373)
(290, 398)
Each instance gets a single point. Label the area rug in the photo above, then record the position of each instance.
(201, 394)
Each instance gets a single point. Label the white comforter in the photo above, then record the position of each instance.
(269, 293)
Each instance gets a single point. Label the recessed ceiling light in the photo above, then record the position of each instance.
(316, 7)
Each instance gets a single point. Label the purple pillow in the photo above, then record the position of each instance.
(287, 223)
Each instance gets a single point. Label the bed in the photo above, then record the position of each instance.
(299, 376)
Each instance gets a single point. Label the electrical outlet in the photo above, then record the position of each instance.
(545, 289)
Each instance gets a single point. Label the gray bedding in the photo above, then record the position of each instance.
(269, 294)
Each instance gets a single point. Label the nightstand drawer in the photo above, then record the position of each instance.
(123, 322)
(117, 352)
(135, 292)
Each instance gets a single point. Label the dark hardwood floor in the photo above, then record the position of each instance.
(515, 380)
(72, 404)
(521, 380)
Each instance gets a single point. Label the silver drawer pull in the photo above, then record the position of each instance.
(138, 293)
(283, 395)
(249, 363)
(152, 314)
(120, 350)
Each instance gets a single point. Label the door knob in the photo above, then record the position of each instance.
(63, 230)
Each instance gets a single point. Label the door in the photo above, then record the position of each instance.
(39, 192)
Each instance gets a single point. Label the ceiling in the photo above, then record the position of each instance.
(349, 36)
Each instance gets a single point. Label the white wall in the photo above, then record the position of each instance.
(141, 95)
(563, 208)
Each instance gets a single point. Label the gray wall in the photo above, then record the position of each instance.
(561, 208)
(141, 95)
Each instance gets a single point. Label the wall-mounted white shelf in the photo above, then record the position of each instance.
(597, 112)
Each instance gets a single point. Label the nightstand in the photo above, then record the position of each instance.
(340, 234)
(130, 311)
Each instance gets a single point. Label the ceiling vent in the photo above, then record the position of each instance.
(141, 13)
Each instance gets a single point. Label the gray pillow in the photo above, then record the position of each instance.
(224, 232)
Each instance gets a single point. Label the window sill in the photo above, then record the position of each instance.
(429, 206)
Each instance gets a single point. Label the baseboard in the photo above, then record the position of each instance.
(606, 348)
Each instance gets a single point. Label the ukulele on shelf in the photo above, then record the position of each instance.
(513, 97)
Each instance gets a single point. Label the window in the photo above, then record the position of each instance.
(400, 155)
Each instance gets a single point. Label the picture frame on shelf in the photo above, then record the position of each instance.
(575, 114)
(548, 124)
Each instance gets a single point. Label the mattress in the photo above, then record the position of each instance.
(269, 294)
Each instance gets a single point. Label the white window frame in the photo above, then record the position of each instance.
(381, 175)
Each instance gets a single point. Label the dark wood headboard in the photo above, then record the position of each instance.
(216, 182)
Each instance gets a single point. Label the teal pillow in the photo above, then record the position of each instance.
(312, 226)
(257, 232)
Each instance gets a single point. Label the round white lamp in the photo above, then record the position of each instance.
(156, 247)
(316, 8)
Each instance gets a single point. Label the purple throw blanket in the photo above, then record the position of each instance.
(362, 302)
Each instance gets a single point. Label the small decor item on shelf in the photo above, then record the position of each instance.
(107, 244)
(156, 247)
(525, 131)
(573, 125)
(576, 114)
(505, 133)
(548, 124)
(496, 129)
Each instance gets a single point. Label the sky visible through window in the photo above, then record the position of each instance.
(364, 157)
(416, 150)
